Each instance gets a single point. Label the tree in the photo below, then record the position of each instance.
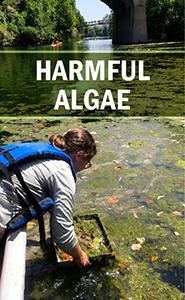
(165, 19)
(6, 37)
(32, 21)
(175, 27)
(67, 19)
(109, 19)
(80, 24)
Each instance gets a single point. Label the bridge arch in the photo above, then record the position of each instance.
(129, 21)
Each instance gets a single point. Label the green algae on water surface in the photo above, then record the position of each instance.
(161, 96)
(149, 188)
(180, 164)
(92, 238)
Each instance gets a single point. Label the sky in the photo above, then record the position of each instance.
(92, 10)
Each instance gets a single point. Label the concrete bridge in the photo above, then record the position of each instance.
(129, 23)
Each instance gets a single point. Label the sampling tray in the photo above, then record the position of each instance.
(93, 240)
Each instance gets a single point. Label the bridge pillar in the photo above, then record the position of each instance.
(129, 21)
(139, 33)
(122, 26)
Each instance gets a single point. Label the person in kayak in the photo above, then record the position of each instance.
(52, 177)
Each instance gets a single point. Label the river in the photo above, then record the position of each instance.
(22, 94)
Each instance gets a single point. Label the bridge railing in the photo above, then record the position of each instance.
(97, 22)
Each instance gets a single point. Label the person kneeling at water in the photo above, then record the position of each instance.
(46, 170)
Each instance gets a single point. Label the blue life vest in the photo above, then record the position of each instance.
(24, 151)
(11, 157)
(21, 219)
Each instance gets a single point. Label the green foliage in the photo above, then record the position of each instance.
(101, 30)
(109, 19)
(28, 36)
(80, 23)
(69, 22)
(2, 18)
(6, 37)
(91, 32)
(32, 21)
(165, 19)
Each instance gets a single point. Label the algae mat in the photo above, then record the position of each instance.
(136, 184)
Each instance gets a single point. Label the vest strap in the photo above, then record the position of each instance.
(29, 194)
(22, 202)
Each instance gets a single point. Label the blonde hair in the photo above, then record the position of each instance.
(75, 139)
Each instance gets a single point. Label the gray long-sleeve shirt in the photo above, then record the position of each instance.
(45, 178)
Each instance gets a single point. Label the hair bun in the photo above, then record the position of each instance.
(58, 141)
(73, 140)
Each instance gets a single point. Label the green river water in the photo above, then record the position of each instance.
(163, 95)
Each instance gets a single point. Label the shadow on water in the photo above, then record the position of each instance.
(47, 279)
(73, 283)
(4, 134)
(174, 276)
(84, 121)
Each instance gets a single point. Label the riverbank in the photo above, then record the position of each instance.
(104, 44)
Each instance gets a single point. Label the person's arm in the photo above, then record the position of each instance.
(80, 257)
(62, 189)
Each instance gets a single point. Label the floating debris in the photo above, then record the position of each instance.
(135, 215)
(30, 225)
(136, 247)
(177, 213)
(149, 201)
(141, 240)
(154, 258)
(163, 248)
(159, 213)
(121, 266)
(64, 256)
(160, 197)
(176, 233)
(118, 168)
(112, 200)
(120, 178)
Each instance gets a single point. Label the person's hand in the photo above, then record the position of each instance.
(82, 260)
(80, 257)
